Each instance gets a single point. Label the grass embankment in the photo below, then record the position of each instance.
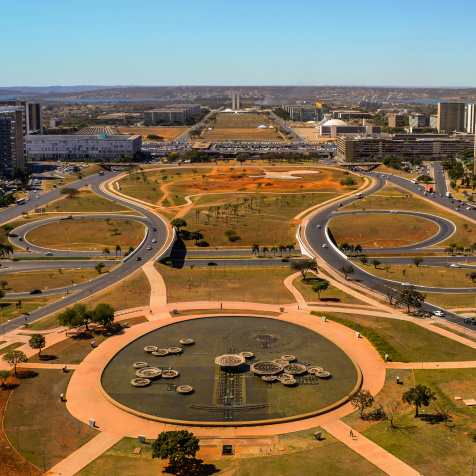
(89, 234)
(432, 276)
(302, 455)
(9, 308)
(48, 279)
(67, 179)
(383, 169)
(86, 201)
(411, 341)
(427, 445)
(168, 133)
(450, 300)
(6, 349)
(44, 423)
(331, 295)
(263, 285)
(133, 292)
(384, 231)
(465, 230)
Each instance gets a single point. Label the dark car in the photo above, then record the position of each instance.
(138, 258)
(211, 263)
(35, 291)
(470, 320)
(155, 229)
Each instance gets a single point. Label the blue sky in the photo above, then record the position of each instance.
(228, 42)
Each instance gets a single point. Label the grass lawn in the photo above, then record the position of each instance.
(389, 230)
(471, 335)
(132, 292)
(432, 448)
(433, 276)
(413, 341)
(44, 423)
(450, 300)
(331, 295)
(10, 310)
(383, 169)
(86, 201)
(465, 230)
(168, 133)
(303, 452)
(48, 279)
(67, 179)
(79, 234)
(13, 346)
(263, 285)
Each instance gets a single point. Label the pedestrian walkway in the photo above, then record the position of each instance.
(369, 450)
(84, 455)
(158, 293)
(470, 364)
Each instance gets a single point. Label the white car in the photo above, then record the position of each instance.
(325, 245)
(468, 208)
(455, 265)
(406, 284)
(154, 240)
(149, 247)
(439, 313)
(318, 226)
(393, 211)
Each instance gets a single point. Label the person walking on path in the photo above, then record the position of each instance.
(351, 434)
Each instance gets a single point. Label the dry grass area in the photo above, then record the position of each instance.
(382, 230)
(242, 127)
(168, 133)
(231, 284)
(10, 310)
(86, 201)
(90, 234)
(68, 179)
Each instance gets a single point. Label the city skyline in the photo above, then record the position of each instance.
(409, 45)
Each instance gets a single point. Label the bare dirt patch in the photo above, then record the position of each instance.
(168, 133)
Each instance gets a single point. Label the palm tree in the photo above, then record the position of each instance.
(264, 249)
(7, 250)
(118, 248)
(255, 248)
(358, 248)
(281, 248)
(106, 251)
(290, 247)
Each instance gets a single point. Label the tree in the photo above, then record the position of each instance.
(410, 297)
(15, 357)
(358, 248)
(376, 263)
(114, 231)
(7, 228)
(391, 293)
(346, 270)
(4, 374)
(303, 266)
(99, 267)
(255, 248)
(348, 182)
(321, 285)
(178, 223)
(106, 251)
(264, 250)
(363, 259)
(3, 283)
(118, 249)
(70, 191)
(37, 341)
(472, 276)
(417, 260)
(391, 410)
(419, 396)
(76, 316)
(103, 314)
(176, 446)
(361, 399)
(443, 410)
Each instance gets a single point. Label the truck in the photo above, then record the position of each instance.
(448, 194)
(429, 189)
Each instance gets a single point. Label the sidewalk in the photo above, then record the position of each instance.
(369, 450)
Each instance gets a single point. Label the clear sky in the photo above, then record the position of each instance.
(238, 42)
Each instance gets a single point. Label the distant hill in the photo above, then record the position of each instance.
(54, 89)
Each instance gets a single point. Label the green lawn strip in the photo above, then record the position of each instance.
(67, 179)
(53, 258)
(6, 349)
(133, 292)
(9, 308)
(380, 343)
(412, 341)
(86, 201)
(432, 276)
(43, 421)
(385, 230)
(450, 300)
(88, 234)
(433, 448)
(471, 335)
(331, 295)
(465, 230)
(263, 285)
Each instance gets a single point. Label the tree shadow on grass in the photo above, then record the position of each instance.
(22, 375)
(46, 357)
(192, 467)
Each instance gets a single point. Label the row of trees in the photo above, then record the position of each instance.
(349, 247)
(80, 316)
(255, 248)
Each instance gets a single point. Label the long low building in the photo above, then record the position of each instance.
(81, 146)
(431, 148)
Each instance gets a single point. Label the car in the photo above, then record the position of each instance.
(20, 239)
(393, 211)
(325, 245)
(319, 226)
(48, 253)
(138, 258)
(149, 247)
(455, 265)
(439, 313)
(155, 229)
(470, 320)
(340, 205)
(35, 291)
(457, 209)
(406, 284)
(212, 263)
(154, 240)
(468, 208)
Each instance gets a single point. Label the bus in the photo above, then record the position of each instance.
(21, 201)
(359, 195)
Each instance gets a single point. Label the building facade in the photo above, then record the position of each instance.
(235, 101)
(471, 118)
(46, 147)
(302, 113)
(11, 139)
(175, 114)
(427, 147)
(434, 122)
(451, 117)
(395, 120)
(417, 120)
(32, 115)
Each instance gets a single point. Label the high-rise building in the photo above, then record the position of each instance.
(235, 100)
(11, 139)
(434, 122)
(451, 117)
(471, 118)
(417, 120)
(299, 113)
(32, 115)
(395, 120)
